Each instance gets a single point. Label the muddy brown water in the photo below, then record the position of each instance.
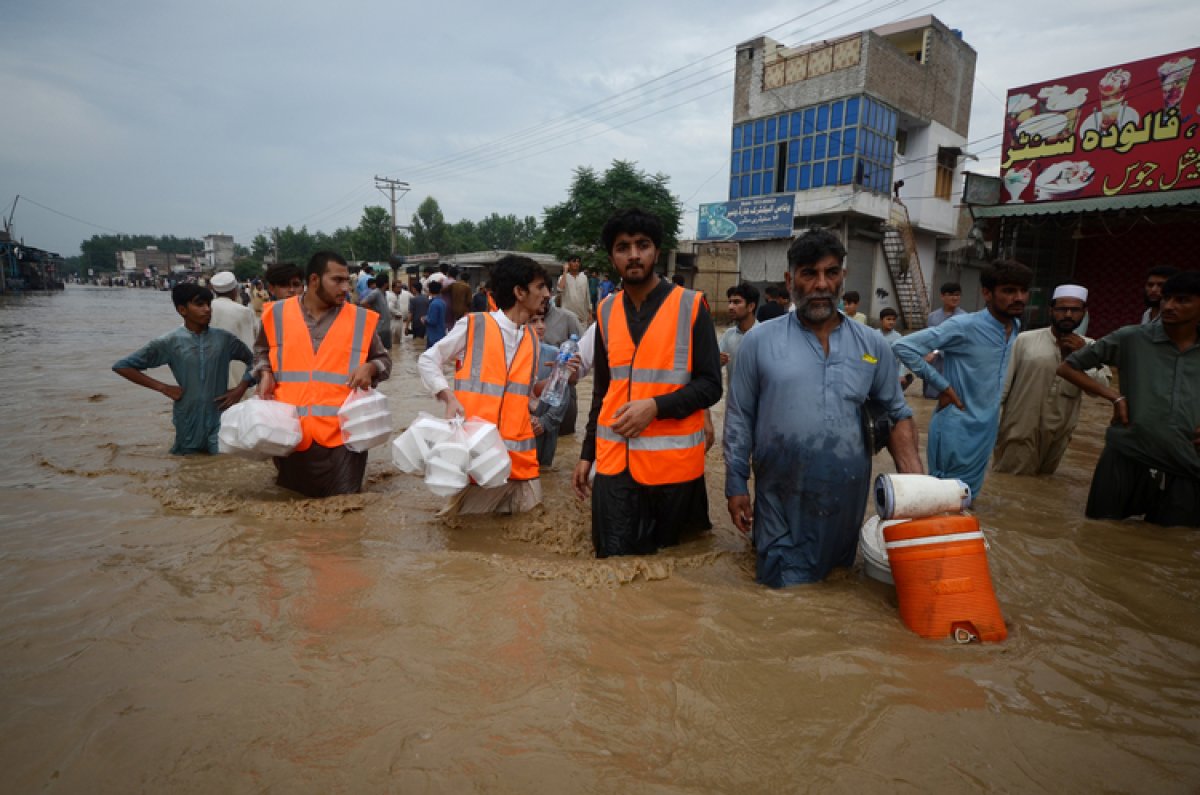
(182, 625)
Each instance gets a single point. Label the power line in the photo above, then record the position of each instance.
(73, 218)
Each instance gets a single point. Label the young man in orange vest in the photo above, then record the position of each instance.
(496, 355)
(657, 368)
(312, 351)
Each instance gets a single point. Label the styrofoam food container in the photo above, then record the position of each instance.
(369, 405)
(491, 468)
(431, 430)
(406, 454)
(454, 453)
(443, 479)
(874, 551)
(485, 437)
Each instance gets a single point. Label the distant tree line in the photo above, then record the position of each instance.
(572, 226)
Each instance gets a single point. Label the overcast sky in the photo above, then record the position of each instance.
(168, 117)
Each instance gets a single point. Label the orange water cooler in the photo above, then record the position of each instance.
(943, 583)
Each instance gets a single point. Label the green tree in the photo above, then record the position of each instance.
(429, 230)
(100, 251)
(507, 232)
(247, 269)
(372, 240)
(464, 236)
(575, 224)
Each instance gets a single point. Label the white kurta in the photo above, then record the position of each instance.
(1040, 410)
(239, 321)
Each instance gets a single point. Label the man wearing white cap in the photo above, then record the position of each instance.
(1040, 410)
(228, 313)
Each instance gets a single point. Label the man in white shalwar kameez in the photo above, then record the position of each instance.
(1040, 410)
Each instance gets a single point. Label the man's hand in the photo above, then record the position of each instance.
(232, 396)
(710, 433)
(931, 357)
(363, 375)
(633, 418)
(266, 385)
(453, 407)
(538, 430)
(724, 359)
(741, 512)
(949, 396)
(573, 365)
(1120, 412)
(1070, 343)
(579, 479)
(172, 391)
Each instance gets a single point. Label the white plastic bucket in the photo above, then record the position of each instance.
(874, 549)
(918, 496)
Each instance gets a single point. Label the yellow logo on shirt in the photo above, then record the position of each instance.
(869, 359)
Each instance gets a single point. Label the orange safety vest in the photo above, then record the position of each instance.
(496, 391)
(316, 383)
(668, 451)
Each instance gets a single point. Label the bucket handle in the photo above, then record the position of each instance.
(963, 632)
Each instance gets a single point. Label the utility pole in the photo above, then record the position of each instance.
(391, 185)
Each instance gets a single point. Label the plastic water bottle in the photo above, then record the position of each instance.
(556, 390)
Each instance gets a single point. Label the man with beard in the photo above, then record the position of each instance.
(656, 370)
(975, 348)
(1040, 410)
(794, 407)
(1152, 291)
(312, 351)
(1151, 459)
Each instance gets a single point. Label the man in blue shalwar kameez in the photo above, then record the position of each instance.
(975, 348)
(199, 358)
(796, 398)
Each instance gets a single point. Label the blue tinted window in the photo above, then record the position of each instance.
(759, 131)
(734, 184)
(810, 121)
(797, 124)
(849, 137)
(746, 155)
(735, 166)
(835, 143)
(835, 115)
(823, 118)
(852, 111)
(745, 185)
(806, 150)
(805, 177)
(819, 147)
(791, 179)
(877, 116)
(782, 134)
(793, 152)
(737, 137)
(756, 184)
(818, 175)
(769, 160)
(770, 130)
(758, 157)
(847, 175)
(892, 117)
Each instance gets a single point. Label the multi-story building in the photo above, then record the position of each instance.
(866, 134)
(218, 252)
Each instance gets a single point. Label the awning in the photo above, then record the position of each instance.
(1100, 204)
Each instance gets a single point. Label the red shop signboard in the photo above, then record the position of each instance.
(1133, 128)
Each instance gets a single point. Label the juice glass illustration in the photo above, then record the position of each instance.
(1112, 96)
(1174, 78)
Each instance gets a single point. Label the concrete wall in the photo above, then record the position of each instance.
(918, 168)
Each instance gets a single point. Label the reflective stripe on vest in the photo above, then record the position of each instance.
(315, 382)
(668, 450)
(494, 389)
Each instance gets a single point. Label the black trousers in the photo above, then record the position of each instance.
(1124, 487)
(629, 518)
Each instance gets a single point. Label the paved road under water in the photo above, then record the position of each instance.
(182, 625)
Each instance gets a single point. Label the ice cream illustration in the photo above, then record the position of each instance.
(1016, 180)
(1020, 109)
(1174, 78)
(1112, 96)
(1067, 103)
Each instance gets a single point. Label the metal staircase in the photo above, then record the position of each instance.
(900, 251)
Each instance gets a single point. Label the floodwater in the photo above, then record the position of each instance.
(182, 625)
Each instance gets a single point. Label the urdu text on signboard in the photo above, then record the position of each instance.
(761, 218)
(1132, 128)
